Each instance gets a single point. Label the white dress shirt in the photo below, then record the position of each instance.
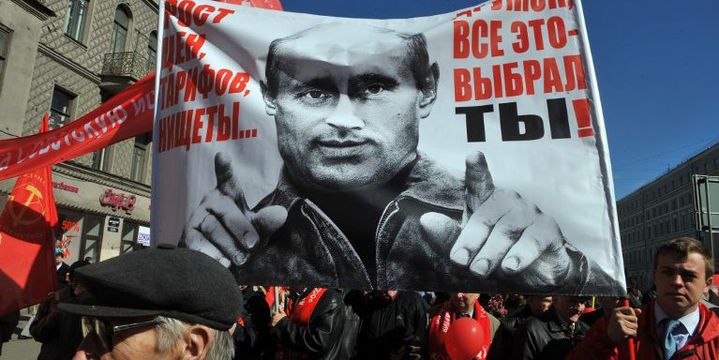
(690, 322)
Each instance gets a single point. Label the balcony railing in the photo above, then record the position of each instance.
(131, 63)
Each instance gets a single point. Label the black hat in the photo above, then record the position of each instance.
(181, 284)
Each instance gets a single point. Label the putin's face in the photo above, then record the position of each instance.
(347, 106)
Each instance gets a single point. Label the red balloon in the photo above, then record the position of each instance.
(465, 339)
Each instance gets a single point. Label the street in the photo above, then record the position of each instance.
(20, 349)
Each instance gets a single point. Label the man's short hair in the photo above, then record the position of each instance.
(682, 247)
(171, 331)
(424, 74)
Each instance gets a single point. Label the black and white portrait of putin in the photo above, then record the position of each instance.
(356, 204)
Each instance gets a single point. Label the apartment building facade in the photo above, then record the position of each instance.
(65, 57)
(660, 211)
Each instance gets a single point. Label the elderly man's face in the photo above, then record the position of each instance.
(539, 304)
(569, 308)
(138, 344)
(464, 301)
(347, 107)
(680, 283)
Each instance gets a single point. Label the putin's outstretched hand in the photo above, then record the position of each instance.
(223, 226)
(502, 235)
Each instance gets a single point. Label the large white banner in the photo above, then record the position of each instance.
(463, 151)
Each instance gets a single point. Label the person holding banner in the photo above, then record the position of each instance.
(357, 205)
(676, 325)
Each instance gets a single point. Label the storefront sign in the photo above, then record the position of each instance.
(113, 224)
(143, 236)
(118, 201)
(65, 187)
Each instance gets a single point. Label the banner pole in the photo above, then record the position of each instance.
(276, 305)
(631, 346)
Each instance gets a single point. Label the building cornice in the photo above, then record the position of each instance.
(152, 4)
(51, 53)
(672, 172)
(82, 172)
(35, 8)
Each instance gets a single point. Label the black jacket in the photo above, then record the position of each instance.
(505, 339)
(256, 342)
(61, 272)
(59, 332)
(548, 337)
(322, 338)
(391, 326)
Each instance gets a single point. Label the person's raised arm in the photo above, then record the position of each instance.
(223, 226)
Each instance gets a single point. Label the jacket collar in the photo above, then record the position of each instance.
(430, 184)
(708, 325)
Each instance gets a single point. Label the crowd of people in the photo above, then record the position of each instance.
(182, 304)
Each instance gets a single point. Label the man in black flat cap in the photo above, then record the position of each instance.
(157, 303)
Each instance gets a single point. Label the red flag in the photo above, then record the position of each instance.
(27, 241)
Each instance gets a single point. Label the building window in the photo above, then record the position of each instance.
(119, 31)
(152, 50)
(139, 157)
(129, 237)
(75, 18)
(4, 46)
(91, 243)
(60, 108)
(98, 159)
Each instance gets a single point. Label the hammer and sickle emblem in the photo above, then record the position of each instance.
(34, 198)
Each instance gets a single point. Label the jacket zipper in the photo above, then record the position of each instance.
(389, 210)
(393, 207)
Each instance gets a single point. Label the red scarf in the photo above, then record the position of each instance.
(300, 314)
(439, 326)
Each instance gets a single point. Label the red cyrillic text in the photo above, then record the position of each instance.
(181, 47)
(188, 13)
(208, 124)
(519, 78)
(203, 81)
(530, 5)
